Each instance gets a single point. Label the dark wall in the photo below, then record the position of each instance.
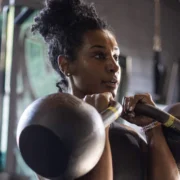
(133, 23)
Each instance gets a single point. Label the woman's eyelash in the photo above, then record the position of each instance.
(116, 57)
(100, 55)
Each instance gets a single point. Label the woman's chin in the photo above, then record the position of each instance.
(113, 91)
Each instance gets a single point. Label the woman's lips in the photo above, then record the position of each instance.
(111, 84)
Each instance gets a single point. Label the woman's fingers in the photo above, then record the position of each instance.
(129, 104)
(99, 101)
(144, 98)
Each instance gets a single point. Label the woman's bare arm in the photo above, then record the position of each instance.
(162, 165)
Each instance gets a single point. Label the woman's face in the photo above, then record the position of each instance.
(96, 69)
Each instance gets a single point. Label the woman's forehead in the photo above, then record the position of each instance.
(100, 37)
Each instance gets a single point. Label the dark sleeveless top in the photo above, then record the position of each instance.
(129, 152)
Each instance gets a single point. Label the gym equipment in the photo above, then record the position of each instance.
(61, 136)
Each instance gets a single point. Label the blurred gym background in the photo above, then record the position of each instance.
(148, 32)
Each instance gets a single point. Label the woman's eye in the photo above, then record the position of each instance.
(100, 56)
(116, 57)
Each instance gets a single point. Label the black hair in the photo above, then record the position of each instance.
(63, 23)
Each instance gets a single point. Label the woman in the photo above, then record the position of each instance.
(84, 51)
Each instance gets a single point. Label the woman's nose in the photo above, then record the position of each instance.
(112, 66)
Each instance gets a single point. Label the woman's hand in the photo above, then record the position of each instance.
(129, 104)
(99, 101)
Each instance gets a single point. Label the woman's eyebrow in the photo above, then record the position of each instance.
(98, 46)
(103, 47)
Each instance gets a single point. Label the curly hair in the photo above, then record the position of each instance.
(62, 24)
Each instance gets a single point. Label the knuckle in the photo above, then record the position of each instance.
(87, 97)
(103, 97)
(128, 98)
(92, 96)
(148, 94)
(142, 95)
(106, 94)
(138, 95)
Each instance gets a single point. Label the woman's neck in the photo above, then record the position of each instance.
(78, 93)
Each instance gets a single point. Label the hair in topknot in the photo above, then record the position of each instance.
(63, 23)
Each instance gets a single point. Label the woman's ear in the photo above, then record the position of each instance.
(63, 64)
